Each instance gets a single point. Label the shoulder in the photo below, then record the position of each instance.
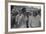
(38, 16)
(31, 17)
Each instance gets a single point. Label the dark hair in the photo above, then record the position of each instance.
(39, 12)
(23, 10)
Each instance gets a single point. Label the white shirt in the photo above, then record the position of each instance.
(34, 21)
(21, 20)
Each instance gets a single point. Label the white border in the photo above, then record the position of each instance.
(23, 29)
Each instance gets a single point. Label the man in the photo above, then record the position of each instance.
(13, 14)
(21, 19)
(34, 20)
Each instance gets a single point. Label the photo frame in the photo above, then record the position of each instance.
(26, 16)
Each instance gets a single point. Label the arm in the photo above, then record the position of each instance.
(30, 21)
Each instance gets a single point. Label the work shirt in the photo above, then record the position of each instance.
(21, 21)
(34, 21)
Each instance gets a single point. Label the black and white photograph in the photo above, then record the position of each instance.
(24, 17)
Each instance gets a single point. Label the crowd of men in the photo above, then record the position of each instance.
(24, 19)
